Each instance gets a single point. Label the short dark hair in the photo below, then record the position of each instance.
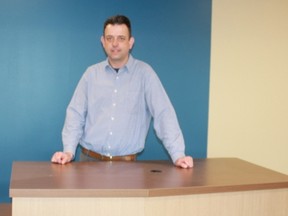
(118, 20)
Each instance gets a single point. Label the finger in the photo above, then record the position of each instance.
(187, 162)
(181, 163)
(64, 160)
(184, 164)
(54, 158)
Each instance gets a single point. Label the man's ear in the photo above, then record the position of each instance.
(102, 40)
(131, 42)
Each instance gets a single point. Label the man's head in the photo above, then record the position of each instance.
(117, 40)
(118, 20)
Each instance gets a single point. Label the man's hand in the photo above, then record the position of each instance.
(184, 162)
(62, 157)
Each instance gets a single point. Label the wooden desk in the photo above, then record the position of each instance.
(219, 186)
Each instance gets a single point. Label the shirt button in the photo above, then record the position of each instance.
(112, 118)
(115, 90)
(114, 104)
(117, 77)
(111, 133)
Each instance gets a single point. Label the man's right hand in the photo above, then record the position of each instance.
(62, 157)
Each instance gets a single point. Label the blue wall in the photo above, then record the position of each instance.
(45, 46)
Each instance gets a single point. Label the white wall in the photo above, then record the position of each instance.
(248, 116)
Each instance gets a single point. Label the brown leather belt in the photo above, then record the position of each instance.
(108, 158)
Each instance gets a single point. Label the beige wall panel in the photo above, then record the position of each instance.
(248, 113)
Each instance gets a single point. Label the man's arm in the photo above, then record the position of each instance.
(165, 122)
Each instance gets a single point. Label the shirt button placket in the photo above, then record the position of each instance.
(114, 103)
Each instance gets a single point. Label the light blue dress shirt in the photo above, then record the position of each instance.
(110, 112)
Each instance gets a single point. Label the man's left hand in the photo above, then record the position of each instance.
(184, 162)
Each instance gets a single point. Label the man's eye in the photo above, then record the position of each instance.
(121, 39)
(118, 39)
(109, 38)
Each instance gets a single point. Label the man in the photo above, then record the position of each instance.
(112, 106)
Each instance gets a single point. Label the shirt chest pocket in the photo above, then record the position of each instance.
(133, 102)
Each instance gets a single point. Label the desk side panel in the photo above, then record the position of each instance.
(248, 203)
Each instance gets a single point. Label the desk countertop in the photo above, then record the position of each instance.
(140, 179)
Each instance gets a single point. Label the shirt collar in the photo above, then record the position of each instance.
(127, 67)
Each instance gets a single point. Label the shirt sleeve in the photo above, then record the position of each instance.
(75, 117)
(165, 120)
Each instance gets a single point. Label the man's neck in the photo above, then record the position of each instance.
(118, 64)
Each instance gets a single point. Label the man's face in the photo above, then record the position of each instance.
(117, 44)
